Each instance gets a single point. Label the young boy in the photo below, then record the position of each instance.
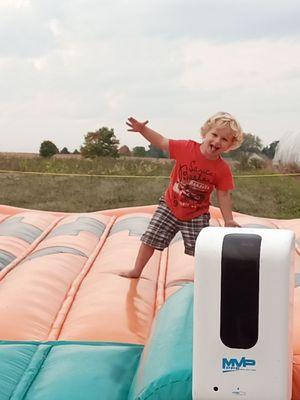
(198, 170)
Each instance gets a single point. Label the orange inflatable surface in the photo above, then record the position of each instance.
(60, 276)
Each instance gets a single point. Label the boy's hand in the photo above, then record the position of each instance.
(136, 126)
(155, 138)
(232, 223)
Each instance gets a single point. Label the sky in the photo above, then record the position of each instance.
(69, 67)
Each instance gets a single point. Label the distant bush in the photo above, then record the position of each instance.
(269, 151)
(64, 150)
(257, 163)
(48, 149)
(248, 161)
(139, 151)
(103, 143)
(155, 152)
(287, 168)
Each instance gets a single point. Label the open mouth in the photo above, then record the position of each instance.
(214, 148)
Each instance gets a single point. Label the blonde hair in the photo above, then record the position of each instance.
(222, 119)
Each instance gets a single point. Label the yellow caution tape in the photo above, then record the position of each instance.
(133, 176)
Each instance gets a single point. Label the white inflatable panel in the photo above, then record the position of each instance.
(243, 301)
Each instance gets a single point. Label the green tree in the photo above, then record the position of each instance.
(139, 151)
(64, 150)
(269, 151)
(156, 152)
(48, 149)
(100, 143)
(251, 144)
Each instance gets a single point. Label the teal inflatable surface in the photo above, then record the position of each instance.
(60, 370)
(165, 368)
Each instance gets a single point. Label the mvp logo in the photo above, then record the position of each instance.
(233, 364)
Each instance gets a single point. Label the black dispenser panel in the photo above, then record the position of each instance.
(240, 290)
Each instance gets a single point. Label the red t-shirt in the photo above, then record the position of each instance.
(193, 179)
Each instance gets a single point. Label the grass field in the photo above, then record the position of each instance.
(100, 165)
(273, 197)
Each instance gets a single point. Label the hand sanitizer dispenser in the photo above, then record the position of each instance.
(244, 287)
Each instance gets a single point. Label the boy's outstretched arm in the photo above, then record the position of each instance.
(153, 137)
(224, 200)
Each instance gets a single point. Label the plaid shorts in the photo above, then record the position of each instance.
(164, 226)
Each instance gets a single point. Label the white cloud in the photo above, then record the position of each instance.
(55, 28)
(40, 63)
(15, 3)
(256, 63)
(70, 67)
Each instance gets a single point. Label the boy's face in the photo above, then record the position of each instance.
(216, 141)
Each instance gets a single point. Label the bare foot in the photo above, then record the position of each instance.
(130, 274)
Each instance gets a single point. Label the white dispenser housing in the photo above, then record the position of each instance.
(244, 289)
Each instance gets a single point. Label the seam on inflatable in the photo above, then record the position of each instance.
(160, 294)
(120, 212)
(30, 373)
(157, 287)
(5, 217)
(2, 220)
(62, 314)
(11, 210)
(30, 248)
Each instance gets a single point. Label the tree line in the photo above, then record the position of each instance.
(104, 143)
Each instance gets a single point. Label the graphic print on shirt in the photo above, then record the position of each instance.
(194, 184)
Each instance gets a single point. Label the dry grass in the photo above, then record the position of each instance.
(273, 197)
(78, 194)
(266, 197)
(261, 196)
(74, 165)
